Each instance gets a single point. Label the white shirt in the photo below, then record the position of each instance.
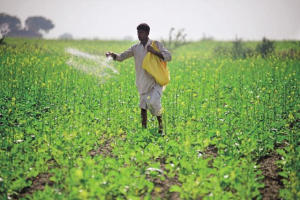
(144, 81)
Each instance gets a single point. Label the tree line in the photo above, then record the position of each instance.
(35, 26)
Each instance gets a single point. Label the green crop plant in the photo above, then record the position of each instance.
(82, 130)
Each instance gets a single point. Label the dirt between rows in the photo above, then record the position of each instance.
(163, 186)
(41, 180)
(273, 181)
(38, 183)
(105, 149)
(210, 151)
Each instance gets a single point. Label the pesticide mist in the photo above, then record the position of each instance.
(91, 64)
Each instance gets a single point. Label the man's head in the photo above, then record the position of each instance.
(143, 31)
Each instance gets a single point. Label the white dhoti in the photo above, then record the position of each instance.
(152, 100)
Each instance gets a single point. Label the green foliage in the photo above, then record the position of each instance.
(53, 115)
(238, 50)
(265, 48)
(291, 53)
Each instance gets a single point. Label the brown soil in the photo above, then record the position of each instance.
(104, 149)
(271, 180)
(38, 183)
(210, 152)
(163, 186)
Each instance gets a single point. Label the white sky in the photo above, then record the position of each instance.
(116, 19)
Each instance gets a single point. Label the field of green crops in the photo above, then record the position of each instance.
(231, 125)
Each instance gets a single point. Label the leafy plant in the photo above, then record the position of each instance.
(221, 116)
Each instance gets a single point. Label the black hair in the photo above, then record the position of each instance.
(144, 27)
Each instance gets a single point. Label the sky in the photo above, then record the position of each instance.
(118, 19)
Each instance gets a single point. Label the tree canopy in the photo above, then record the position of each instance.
(34, 26)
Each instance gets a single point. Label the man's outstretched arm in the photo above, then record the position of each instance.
(120, 57)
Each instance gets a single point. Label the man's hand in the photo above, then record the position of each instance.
(113, 55)
(152, 50)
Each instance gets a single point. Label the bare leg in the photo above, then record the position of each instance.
(160, 125)
(144, 118)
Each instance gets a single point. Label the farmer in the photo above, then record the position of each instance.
(150, 91)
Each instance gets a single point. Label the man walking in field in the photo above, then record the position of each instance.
(150, 91)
